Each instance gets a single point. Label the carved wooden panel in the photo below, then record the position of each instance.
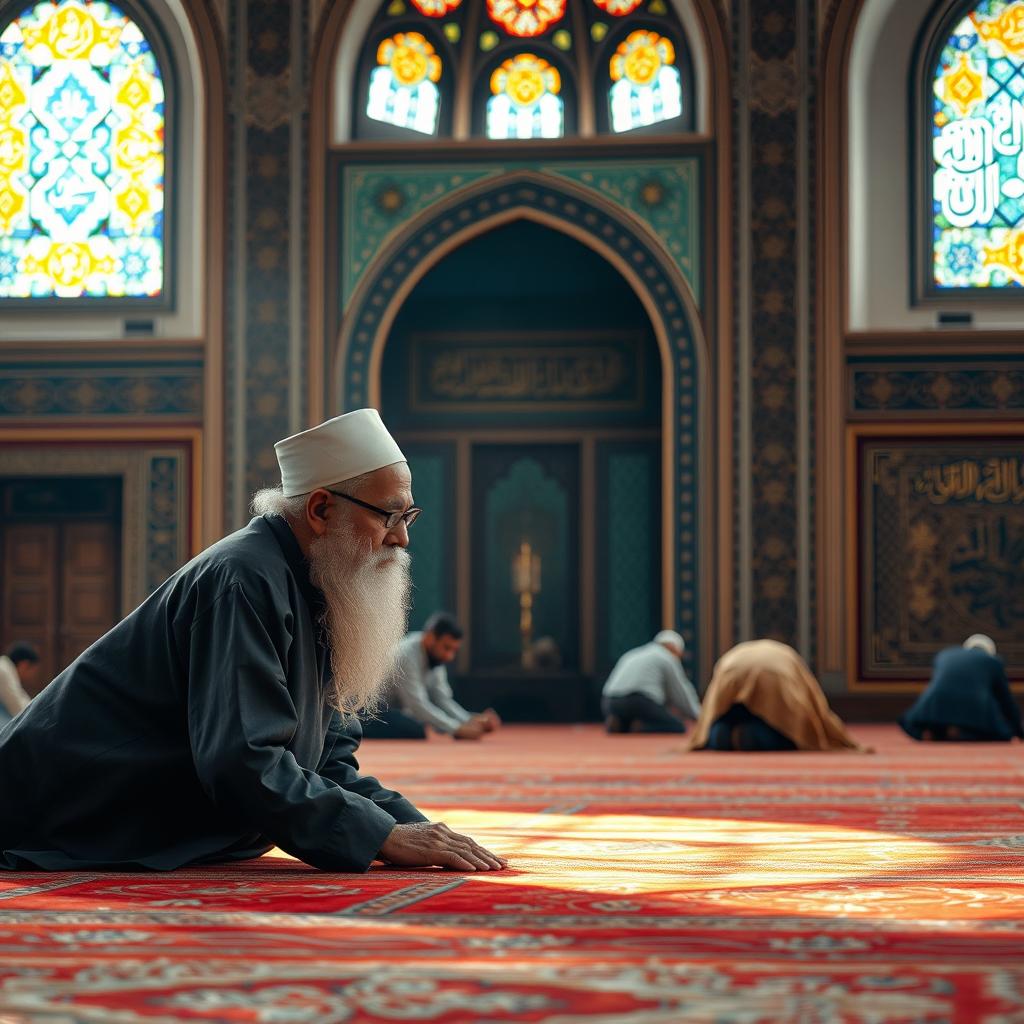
(89, 572)
(940, 552)
(29, 597)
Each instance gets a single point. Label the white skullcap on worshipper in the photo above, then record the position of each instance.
(981, 643)
(344, 447)
(670, 636)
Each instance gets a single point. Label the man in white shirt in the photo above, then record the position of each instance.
(420, 694)
(645, 683)
(20, 665)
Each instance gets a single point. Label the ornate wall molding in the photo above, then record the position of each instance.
(958, 389)
(379, 200)
(100, 392)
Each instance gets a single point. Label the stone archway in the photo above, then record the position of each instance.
(687, 594)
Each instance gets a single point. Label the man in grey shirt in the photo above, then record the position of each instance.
(645, 683)
(420, 694)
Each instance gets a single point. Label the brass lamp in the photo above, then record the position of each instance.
(526, 583)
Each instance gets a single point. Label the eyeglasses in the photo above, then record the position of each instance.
(391, 519)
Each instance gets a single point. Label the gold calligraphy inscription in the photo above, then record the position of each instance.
(993, 481)
(567, 375)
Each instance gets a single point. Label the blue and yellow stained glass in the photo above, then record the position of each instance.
(978, 151)
(81, 155)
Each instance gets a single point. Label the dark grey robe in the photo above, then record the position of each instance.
(197, 730)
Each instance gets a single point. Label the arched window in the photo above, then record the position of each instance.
(526, 100)
(646, 86)
(518, 69)
(403, 87)
(84, 115)
(971, 150)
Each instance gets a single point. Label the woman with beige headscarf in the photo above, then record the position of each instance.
(762, 696)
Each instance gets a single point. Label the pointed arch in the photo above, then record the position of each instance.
(689, 472)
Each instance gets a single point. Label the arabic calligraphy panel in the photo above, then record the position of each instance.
(942, 550)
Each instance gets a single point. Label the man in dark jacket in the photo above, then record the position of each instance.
(968, 697)
(218, 719)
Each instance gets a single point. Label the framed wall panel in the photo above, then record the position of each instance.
(936, 546)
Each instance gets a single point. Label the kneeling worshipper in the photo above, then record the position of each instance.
(18, 666)
(968, 697)
(762, 696)
(645, 685)
(218, 719)
(419, 693)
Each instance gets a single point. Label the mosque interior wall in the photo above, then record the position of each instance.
(872, 468)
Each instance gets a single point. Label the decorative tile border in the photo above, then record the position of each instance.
(100, 392)
(774, 124)
(996, 388)
(165, 547)
(268, 128)
(378, 200)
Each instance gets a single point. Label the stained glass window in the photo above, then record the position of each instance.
(436, 8)
(518, 69)
(526, 18)
(977, 151)
(618, 8)
(403, 87)
(646, 86)
(82, 124)
(525, 103)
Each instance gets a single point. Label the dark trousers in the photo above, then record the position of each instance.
(393, 725)
(950, 733)
(649, 715)
(740, 729)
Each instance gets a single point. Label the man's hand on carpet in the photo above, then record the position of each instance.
(434, 844)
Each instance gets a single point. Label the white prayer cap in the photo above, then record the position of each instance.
(344, 447)
(670, 636)
(982, 643)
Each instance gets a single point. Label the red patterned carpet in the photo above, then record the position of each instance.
(647, 886)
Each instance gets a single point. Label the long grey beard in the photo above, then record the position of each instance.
(367, 598)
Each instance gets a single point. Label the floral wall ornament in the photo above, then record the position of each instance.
(526, 18)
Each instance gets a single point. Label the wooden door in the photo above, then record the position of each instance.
(88, 591)
(30, 598)
(61, 545)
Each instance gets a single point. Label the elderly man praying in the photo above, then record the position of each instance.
(218, 719)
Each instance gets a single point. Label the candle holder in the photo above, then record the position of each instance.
(526, 583)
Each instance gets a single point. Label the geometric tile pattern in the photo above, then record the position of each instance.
(42, 391)
(773, 228)
(981, 389)
(379, 200)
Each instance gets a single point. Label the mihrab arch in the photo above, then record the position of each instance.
(689, 469)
